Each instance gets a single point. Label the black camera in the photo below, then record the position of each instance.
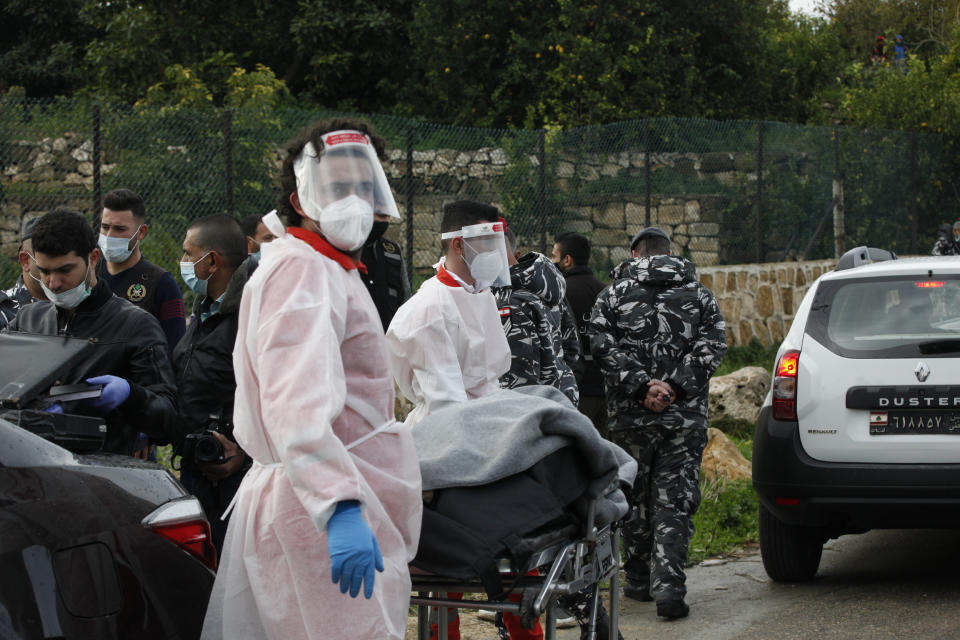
(203, 448)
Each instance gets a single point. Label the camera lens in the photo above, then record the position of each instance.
(208, 449)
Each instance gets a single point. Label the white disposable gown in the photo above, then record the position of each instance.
(312, 379)
(446, 345)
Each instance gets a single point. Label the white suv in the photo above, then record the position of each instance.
(861, 428)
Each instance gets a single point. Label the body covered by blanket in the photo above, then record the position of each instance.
(490, 438)
(509, 473)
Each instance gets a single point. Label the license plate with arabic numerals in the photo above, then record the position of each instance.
(884, 423)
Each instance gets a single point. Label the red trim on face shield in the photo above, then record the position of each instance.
(325, 248)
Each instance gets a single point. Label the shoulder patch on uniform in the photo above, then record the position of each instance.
(136, 292)
(504, 311)
(389, 246)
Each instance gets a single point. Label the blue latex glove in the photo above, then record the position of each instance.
(354, 552)
(54, 408)
(115, 392)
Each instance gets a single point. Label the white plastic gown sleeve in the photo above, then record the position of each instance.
(446, 345)
(309, 345)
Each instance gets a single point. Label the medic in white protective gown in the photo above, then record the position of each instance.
(447, 345)
(312, 379)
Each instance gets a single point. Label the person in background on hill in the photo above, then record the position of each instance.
(948, 240)
(571, 254)
(123, 226)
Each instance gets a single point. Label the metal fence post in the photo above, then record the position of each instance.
(96, 162)
(838, 215)
(408, 194)
(914, 193)
(228, 158)
(646, 170)
(542, 196)
(759, 214)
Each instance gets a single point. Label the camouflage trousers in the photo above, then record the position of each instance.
(665, 496)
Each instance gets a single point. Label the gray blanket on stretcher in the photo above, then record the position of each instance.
(484, 440)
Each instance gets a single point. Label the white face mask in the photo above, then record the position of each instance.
(71, 298)
(117, 249)
(345, 223)
(485, 268)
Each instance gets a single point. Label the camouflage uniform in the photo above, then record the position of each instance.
(539, 327)
(657, 322)
(12, 300)
(945, 246)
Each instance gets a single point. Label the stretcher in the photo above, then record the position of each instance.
(565, 571)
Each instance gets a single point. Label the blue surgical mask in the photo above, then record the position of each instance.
(117, 249)
(256, 255)
(188, 273)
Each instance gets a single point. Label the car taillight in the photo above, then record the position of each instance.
(182, 522)
(785, 386)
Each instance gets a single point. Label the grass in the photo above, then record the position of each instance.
(754, 354)
(726, 520)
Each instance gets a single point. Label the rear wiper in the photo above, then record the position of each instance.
(939, 346)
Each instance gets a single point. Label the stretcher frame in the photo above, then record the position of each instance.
(566, 568)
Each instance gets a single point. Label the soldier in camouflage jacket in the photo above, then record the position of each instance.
(658, 336)
(541, 332)
(947, 244)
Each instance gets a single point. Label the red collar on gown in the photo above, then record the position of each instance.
(325, 248)
(445, 278)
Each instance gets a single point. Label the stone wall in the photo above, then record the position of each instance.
(760, 300)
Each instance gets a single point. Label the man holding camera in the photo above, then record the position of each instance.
(214, 265)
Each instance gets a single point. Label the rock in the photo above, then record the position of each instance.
(737, 397)
(722, 459)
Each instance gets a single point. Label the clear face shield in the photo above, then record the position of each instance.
(485, 252)
(342, 189)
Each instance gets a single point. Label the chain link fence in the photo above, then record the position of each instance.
(727, 192)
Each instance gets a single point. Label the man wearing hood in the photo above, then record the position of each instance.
(214, 265)
(947, 243)
(658, 336)
(534, 317)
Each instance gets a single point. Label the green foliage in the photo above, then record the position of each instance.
(754, 354)
(726, 519)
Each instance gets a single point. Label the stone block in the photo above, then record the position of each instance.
(610, 238)
(704, 244)
(565, 170)
(741, 280)
(686, 166)
(786, 299)
(704, 228)
(462, 159)
(620, 254)
(42, 173)
(706, 279)
(752, 282)
(609, 170)
(704, 258)
(636, 214)
(691, 211)
(775, 327)
(583, 227)
(610, 216)
(765, 301)
(801, 280)
(745, 332)
(761, 332)
(670, 214)
(424, 156)
(588, 173)
(731, 282)
(716, 162)
(498, 157)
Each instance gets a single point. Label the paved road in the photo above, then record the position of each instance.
(882, 584)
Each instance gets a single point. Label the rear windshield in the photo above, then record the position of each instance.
(892, 317)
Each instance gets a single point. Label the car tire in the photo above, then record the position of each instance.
(791, 553)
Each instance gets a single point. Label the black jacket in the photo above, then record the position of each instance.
(131, 345)
(582, 291)
(203, 361)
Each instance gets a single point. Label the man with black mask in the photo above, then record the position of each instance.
(386, 276)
